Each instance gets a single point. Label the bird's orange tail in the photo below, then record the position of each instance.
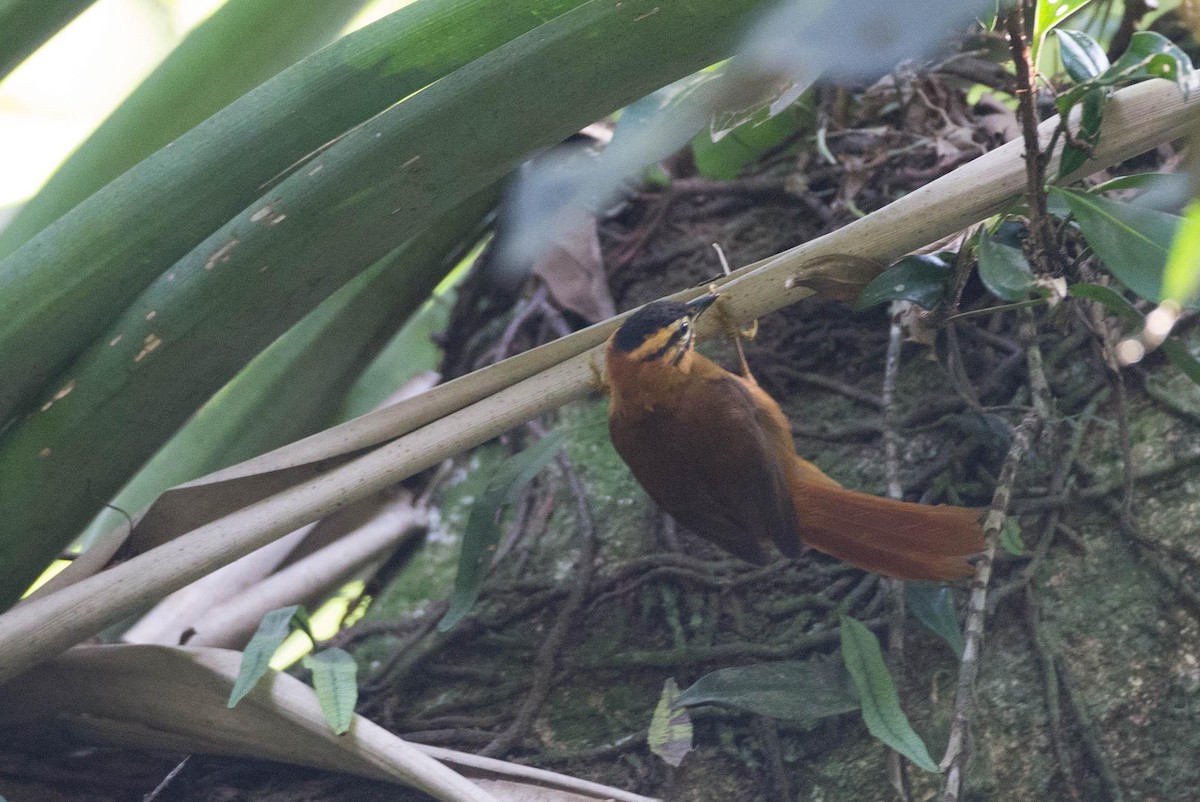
(893, 538)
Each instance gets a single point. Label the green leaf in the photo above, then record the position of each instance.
(1049, 14)
(1131, 240)
(335, 679)
(670, 735)
(877, 694)
(312, 365)
(1181, 278)
(1182, 359)
(1082, 56)
(59, 291)
(932, 603)
(1004, 269)
(1142, 181)
(1175, 351)
(482, 531)
(803, 691)
(1151, 55)
(920, 279)
(25, 25)
(1010, 537)
(241, 45)
(1112, 300)
(272, 631)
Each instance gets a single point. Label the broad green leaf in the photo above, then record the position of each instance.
(256, 657)
(482, 531)
(670, 735)
(63, 288)
(241, 45)
(1004, 269)
(1131, 240)
(25, 25)
(877, 694)
(1082, 57)
(1050, 13)
(335, 679)
(1010, 537)
(932, 603)
(392, 177)
(920, 279)
(311, 365)
(1182, 277)
(803, 691)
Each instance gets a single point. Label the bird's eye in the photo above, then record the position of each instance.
(684, 325)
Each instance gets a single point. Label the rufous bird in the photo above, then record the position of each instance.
(716, 453)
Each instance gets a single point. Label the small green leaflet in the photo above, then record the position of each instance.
(1003, 269)
(335, 678)
(932, 603)
(670, 735)
(482, 531)
(877, 694)
(804, 691)
(272, 631)
(920, 279)
(1131, 240)
(1010, 537)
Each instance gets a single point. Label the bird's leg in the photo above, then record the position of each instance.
(734, 332)
(598, 382)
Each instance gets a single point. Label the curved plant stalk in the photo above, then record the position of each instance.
(1141, 117)
(241, 45)
(383, 183)
(130, 696)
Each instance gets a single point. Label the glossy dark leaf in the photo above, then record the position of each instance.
(482, 531)
(1112, 300)
(877, 694)
(1082, 56)
(1004, 269)
(920, 279)
(335, 679)
(803, 691)
(932, 603)
(1131, 240)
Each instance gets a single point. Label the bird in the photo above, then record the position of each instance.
(715, 451)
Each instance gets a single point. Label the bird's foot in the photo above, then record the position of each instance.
(598, 382)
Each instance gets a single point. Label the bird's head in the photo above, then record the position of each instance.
(659, 333)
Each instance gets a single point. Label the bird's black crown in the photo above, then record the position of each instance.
(647, 320)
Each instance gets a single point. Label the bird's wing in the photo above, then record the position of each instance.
(709, 461)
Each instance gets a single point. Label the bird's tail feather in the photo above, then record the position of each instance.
(893, 538)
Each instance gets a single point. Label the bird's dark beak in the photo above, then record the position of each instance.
(698, 305)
